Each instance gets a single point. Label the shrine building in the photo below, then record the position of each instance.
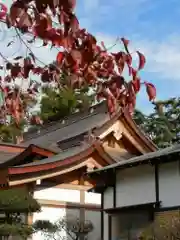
(52, 163)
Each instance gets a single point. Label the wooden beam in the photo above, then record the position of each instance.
(68, 205)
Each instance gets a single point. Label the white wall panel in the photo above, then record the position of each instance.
(92, 198)
(169, 184)
(95, 218)
(135, 185)
(108, 198)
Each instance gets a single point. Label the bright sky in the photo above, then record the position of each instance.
(151, 25)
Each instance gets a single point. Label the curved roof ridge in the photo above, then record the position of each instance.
(54, 125)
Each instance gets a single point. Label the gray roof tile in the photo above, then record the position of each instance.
(5, 156)
(59, 132)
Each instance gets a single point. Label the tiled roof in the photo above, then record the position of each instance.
(55, 132)
(5, 156)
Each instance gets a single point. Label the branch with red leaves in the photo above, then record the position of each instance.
(82, 59)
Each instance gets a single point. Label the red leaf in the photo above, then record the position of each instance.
(130, 70)
(121, 66)
(15, 71)
(27, 61)
(60, 57)
(3, 10)
(131, 92)
(37, 70)
(68, 5)
(72, 4)
(25, 21)
(126, 43)
(45, 76)
(19, 15)
(119, 80)
(119, 56)
(45, 21)
(134, 73)
(136, 84)
(128, 59)
(142, 60)
(151, 91)
(77, 56)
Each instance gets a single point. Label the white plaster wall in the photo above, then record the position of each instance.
(95, 218)
(55, 214)
(135, 185)
(108, 198)
(58, 194)
(67, 195)
(92, 198)
(169, 184)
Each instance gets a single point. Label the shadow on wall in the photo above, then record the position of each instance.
(55, 222)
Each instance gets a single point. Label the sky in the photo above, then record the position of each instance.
(152, 26)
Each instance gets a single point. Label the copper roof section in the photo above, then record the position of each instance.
(64, 158)
(14, 157)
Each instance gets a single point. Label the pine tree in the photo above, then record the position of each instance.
(15, 205)
(163, 125)
(59, 103)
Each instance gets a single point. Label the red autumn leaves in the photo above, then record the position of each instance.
(82, 60)
(39, 21)
(93, 64)
(151, 91)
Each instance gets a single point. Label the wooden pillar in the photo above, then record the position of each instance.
(30, 219)
(157, 182)
(82, 203)
(112, 230)
(114, 189)
(102, 215)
